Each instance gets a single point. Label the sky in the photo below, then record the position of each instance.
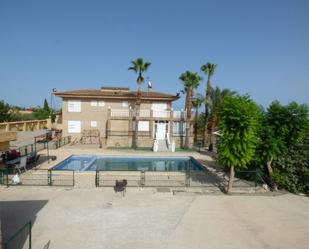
(261, 47)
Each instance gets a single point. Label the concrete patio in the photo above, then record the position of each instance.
(99, 218)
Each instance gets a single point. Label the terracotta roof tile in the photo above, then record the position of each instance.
(88, 93)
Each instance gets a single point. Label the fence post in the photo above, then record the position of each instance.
(7, 177)
(73, 178)
(143, 178)
(1, 177)
(188, 174)
(96, 178)
(256, 177)
(49, 177)
(30, 235)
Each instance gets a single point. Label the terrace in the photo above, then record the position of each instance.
(147, 114)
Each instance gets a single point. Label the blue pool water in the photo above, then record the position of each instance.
(92, 163)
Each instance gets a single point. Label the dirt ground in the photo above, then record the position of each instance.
(99, 218)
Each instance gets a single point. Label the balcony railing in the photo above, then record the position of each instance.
(147, 113)
(120, 113)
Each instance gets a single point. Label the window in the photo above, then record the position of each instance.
(74, 126)
(179, 128)
(94, 103)
(101, 103)
(143, 125)
(93, 123)
(74, 106)
(125, 104)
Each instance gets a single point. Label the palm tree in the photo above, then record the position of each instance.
(196, 103)
(190, 81)
(209, 70)
(216, 98)
(139, 67)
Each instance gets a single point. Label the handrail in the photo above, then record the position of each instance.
(168, 142)
(155, 145)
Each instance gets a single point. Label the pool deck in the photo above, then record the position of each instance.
(99, 218)
(213, 181)
(84, 179)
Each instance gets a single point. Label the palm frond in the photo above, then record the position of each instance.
(209, 68)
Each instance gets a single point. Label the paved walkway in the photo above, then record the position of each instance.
(99, 218)
(25, 138)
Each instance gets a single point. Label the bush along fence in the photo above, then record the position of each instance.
(39, 177)
(21, 239)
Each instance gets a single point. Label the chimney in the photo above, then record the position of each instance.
(149, 86)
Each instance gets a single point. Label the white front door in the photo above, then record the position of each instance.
(161, 130)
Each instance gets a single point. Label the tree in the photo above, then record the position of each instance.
(190, 81)
(268, 147)
(196, 103)
(238, 123)
(41, 114)
(139, 67)
(209, 69)
(289, 122)
(216, 98)
(46, 106)
(283, 130)
(4, 111)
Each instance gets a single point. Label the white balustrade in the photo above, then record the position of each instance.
(161, 114)
(120, 113)
(144, 113)
(179, 114)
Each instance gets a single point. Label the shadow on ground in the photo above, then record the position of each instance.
(14, 215)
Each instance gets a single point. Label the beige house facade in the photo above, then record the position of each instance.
(111, 112)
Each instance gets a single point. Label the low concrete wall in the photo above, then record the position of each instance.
(30, 125)
(5, 138)
(119, 141)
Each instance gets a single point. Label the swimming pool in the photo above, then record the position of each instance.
(128, 163)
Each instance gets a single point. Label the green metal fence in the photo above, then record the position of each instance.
(2, 176)
(61, 142)
(189, 178)
(21, 239)
(40, 177)
(61, 178)
(247, 179)
(38, 146)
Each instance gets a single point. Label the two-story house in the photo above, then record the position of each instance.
(111, 110)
